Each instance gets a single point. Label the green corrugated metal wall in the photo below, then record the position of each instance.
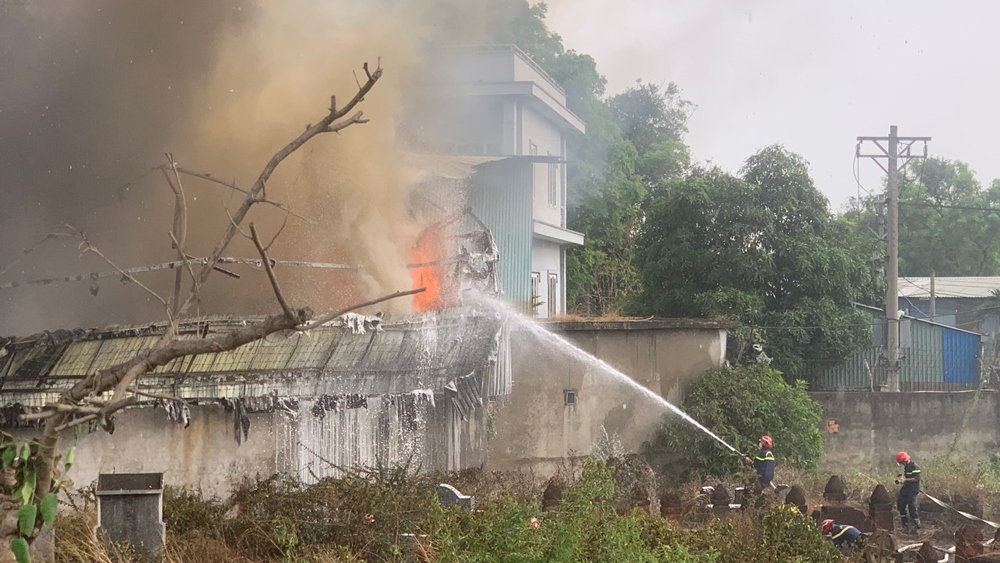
(501, 195)
(922, 361)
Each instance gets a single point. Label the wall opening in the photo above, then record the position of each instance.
(569, 396)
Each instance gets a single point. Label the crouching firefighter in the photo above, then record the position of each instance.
(844, 537)
(764, 462)
(907, 500)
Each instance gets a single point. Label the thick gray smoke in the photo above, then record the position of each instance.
(94, 93)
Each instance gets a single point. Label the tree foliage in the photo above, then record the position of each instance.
(934, 235)
(763, 250)
(739, 405)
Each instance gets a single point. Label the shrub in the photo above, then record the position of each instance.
(739, 405)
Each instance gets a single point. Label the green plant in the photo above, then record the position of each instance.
(19, 467)
(739, 405)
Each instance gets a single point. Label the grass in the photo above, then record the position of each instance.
(369, 517)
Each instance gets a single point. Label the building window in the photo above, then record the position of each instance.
(536, 289)
(532, 148)
(569, 396)
(553, 184)
(553, 294)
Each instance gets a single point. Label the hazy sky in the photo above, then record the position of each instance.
(810, 75)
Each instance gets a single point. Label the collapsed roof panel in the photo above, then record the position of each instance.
(402, 355)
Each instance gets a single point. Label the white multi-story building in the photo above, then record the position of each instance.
(493, 110)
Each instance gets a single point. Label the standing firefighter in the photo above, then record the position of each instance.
(844, 537)
(764, 462)
(907, 500)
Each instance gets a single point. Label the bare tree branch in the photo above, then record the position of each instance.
(254, 195)
(120, 376)
(233, 186)
(270, 273)
(178, 234)
(87, 246)
(323, 319)
(277, 234)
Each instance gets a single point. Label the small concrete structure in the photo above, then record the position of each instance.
(130, 510)
(880, 509)
(797, 497)
(449, 496)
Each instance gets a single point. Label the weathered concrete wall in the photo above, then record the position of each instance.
(864, 430)
(535, 429)
(204, 456)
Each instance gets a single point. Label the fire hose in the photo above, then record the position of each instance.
(972, 517)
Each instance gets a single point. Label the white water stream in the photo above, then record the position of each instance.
(523, 322)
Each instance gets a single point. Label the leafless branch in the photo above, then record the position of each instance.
(153, 395)
(120, 376)
(235, 187)
(76, 422)
(87, 246)
(179, 233)
(277, 234)
(356, 118)
(254, 194)
(234, 225)
(270, 273)
(323, 319)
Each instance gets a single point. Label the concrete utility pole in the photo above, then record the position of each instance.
(933, 296)
(889, 149)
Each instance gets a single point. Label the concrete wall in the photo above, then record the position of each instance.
(864, 430)
(535, 429)
(203, 456)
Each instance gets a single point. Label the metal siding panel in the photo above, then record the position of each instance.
(851, 374)
(500, 195)
(961, 357)
(923, 365)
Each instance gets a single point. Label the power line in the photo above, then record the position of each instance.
(941, 206)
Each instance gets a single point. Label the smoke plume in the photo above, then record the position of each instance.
(95, 93)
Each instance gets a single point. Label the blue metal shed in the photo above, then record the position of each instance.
(933, 357)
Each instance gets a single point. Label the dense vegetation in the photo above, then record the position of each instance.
(388, 516)
(739, 405)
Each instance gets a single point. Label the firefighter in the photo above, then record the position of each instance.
(764, 462)
(844, 537)
(907, 500)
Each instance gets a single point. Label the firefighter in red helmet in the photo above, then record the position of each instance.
(907, 500)
(764, 462)
(844, 537)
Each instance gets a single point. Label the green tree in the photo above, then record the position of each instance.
(761, 250)
(948, 222)
(739, 405)
(934, 237)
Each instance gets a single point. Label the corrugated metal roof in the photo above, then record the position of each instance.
(413, 352)
(453, 167)
(944, 288)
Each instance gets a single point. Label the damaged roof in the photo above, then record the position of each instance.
(407, 353)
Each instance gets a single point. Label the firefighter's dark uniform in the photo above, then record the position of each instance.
(844, 537)
(907, 499)
(764, 464)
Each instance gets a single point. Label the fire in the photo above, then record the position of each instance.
(428, 250)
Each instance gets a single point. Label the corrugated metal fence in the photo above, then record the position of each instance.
(933, 357)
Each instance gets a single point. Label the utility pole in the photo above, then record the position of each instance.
(893, 149)
(933, 296)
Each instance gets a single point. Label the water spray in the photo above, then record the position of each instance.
(570, 348)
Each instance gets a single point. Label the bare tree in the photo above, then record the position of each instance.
(87, 400)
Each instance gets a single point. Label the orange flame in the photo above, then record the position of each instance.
(428, 251)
